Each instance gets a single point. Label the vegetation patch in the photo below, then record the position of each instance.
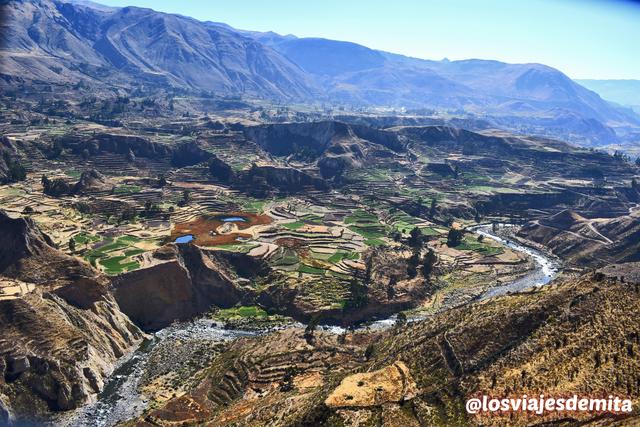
(241, 311)
(471, 244)
(293, 225)
(311, 270)
(115, 265)
(340, 255)
(127, 189)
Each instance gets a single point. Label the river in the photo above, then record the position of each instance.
(546, 267)
(120, 400)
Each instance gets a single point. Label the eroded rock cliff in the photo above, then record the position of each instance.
(63, 335)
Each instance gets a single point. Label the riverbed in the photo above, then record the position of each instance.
(120, 399)
(547, 267)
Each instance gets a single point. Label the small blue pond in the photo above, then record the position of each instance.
(184, 239)
(233, 219)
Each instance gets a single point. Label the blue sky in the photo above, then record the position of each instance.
(583, 38)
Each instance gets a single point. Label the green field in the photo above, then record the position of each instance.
(472, 244)
(114, 255)
(127, 189)
(241, 311)
(115, 265)
(340, 255)
(368, 226)
(311, 270)
(293, 225)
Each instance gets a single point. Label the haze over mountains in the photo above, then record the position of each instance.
(64, 43)
(625, 92)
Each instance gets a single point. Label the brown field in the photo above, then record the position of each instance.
(204, 228)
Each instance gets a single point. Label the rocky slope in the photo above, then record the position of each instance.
(563, 339)
(61, 42)
(179, 282)
(61, 338)
(587, 242)
(29, 255)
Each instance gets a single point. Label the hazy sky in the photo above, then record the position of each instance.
(583, 38)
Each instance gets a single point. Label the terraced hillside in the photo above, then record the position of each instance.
(237, 216)
(567, 338)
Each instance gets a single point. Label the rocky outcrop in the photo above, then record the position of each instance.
(114, 143)
(11, 168)
(27, 254)
(335, 146)
(264, 180)
(61, 339)
(189, 154)
(56, 355)
(180, 282)
(389, 384)
(220, 170)
(91, 180)
(57, 187)
(261, 181)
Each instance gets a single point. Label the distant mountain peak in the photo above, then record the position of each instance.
(65, 41)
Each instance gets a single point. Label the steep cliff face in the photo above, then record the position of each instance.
(114, 143)
(11, 169)
(180, 282)
(333, 146)
(55, 355)
(61, 337)
(262, 180)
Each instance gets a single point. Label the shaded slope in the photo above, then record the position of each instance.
(64, 42)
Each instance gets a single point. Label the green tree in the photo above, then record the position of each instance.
(401, 319)
(415, 238)
(428, 262)
(412, 264)
(391, 288)
(15, 171)
(358, 295)
(369, 351)
(454, 238)
(186, 197)
(287, 379)
(309, 331)
(434, 207)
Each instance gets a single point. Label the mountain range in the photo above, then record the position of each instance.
(58, 42)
